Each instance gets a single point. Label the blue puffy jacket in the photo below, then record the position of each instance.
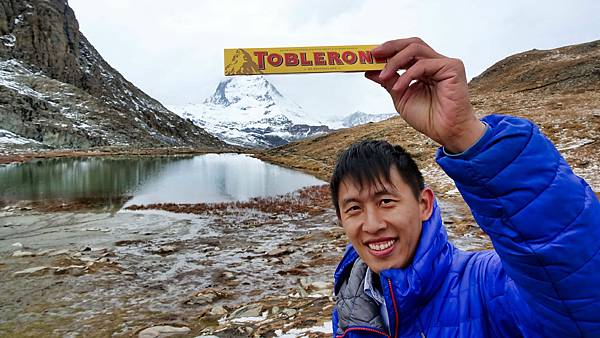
(542, 280)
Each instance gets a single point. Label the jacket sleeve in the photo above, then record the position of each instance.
(543, 220)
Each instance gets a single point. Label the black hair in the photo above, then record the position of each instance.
(369, 163)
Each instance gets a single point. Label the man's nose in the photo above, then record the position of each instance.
(373, 222)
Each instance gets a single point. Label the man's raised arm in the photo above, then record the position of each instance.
(544, 221)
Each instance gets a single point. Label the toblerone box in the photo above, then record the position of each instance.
(289, 60)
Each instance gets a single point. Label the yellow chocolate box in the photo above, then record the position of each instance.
(290, 60)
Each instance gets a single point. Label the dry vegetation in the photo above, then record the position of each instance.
(310, 200)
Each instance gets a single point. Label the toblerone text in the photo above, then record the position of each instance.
(289, 60)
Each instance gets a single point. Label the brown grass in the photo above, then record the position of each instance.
(311, 200)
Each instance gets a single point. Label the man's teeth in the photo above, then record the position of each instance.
(381, 245)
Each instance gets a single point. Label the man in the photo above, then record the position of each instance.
(400, 277)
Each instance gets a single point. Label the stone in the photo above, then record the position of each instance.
(164, 250)
(163, 331)
(251, 310)
(38, 270)
(23, 254)
(228, 275)
(289, 312)
(218, 310)
(319, 285)
(58, 252)
(280, 251)
(74, 270)
(203, 298)
(301, 292)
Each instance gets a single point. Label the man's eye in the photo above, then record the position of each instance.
(352, 209)
(386, 201)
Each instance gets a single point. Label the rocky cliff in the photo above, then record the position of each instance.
(55, 88)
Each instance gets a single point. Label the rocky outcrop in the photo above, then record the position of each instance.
(562, 70)
(557, 89)
(56, 88)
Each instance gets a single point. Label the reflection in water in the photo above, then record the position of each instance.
(220, 178)
(164, 179)
(78, 178)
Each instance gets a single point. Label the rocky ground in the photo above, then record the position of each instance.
(262, 268)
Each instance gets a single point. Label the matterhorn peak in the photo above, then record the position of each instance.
(250, 111)
(234, 89)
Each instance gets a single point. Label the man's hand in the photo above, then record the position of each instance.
(437, 102)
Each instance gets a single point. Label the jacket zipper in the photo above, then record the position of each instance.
(363, 329)
(395, 332)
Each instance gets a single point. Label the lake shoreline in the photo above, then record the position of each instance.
(15, 156)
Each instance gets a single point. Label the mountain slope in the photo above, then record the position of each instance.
(55, 87)
(250, 111)
(358, 117)
(557, 89)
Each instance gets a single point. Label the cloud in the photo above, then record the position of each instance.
(173, 50)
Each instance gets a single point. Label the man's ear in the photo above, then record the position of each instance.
(426, 203)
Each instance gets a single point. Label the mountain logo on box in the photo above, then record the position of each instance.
(242, 63)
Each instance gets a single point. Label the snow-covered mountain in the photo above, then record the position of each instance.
(358, 118)
(250, 111)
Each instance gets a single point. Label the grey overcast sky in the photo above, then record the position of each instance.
(173, 50)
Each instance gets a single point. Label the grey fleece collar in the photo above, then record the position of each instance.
(354, 307)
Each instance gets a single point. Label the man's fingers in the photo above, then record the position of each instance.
(406, 57)
(374, 75)
(390, 48)
(423, 70)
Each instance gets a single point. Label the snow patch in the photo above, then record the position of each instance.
(7, 137)
(9, 71)
(8, 40)
(327, 327)
(574, 144)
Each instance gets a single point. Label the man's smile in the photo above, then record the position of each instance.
(381, 247)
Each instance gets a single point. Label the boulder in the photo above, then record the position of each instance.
(251, 310)
(20, 253)
(163, 331)
(38, 270)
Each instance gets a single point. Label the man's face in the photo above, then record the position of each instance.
(384, 222)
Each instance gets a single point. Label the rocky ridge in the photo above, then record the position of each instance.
(55, 88)
(358, 117)
(557, 89)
